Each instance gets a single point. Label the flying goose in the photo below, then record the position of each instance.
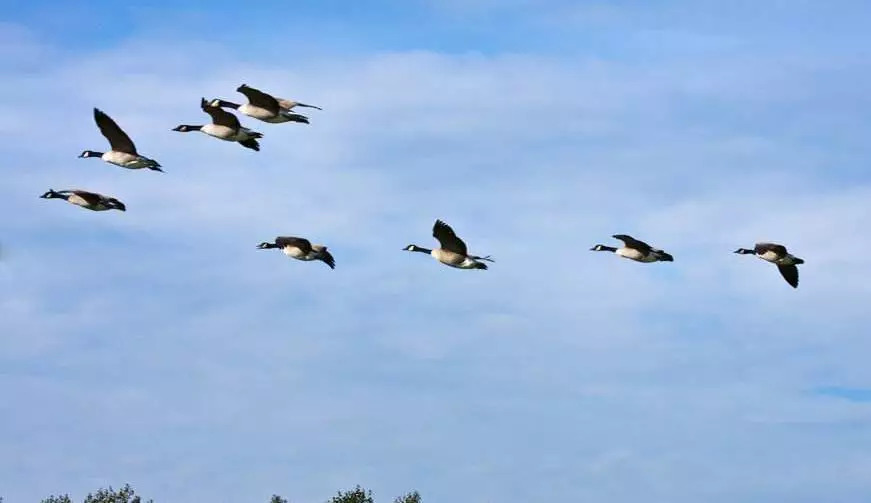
(225, 126)
(300, 249)
(636, 250)
(452, 250)
(123, 151)
(776, 254)
(88, 200)
(263, 107)
(283, 103)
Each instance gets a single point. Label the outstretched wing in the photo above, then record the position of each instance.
(790, 274)
(302, 243)
(633, 243)
(260, 99)
(91, 198)
(447, 238)
(118, 139)
(220, 117)
(761, 248)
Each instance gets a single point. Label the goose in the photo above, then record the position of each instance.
(452, 251)
(776, 254)
(283, 103)
(263, 107)
(123, 151)
(88, 200)
(225, 126)
(300, 249)
(636, 250)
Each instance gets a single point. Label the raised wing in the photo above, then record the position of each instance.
(633, 243)
(447, 238)
(259, 99)
(220, 117)
(303, 244)
(761, 248)
(790, 274)
(118, 139)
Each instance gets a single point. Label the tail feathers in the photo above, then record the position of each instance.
(480, 265)
(251, 143)
(798, 261)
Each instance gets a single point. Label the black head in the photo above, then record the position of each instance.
(51, 194)
(603, 248)
(184, 128)
(744, 251)
(412, 248)
(90, 153)
(265, 246)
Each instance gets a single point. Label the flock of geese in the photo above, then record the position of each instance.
(452, 251)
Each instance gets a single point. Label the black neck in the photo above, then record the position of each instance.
(606, 248)
(228, 104)
(422, 250)
(193, 128)
(270, 245)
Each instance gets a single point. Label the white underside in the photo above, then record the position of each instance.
(126, 160)
(296, 253)
(635, 255)
(453, 259)
(220, 132)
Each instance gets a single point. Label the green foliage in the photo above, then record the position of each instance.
(125, 495)
(358, 495)
(58, 499)
(412, 497)
(275, 499)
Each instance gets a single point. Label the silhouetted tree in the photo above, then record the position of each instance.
(58, 499)
(277, 499)
(412, 497)
(358, 495)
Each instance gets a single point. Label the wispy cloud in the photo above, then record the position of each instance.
(164, 349)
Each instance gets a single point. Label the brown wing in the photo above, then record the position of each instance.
(220, 117)
(91, 198)
(790, 274)
(118, 139)
(260, 99)
(633, 243)
(448, 240)
(303, 244)
(761, 248)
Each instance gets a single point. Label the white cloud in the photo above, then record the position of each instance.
(162, 336)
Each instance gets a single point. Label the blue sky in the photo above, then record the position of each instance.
(159, 347)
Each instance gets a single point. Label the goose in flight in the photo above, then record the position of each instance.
(122, 150)
(452, 250)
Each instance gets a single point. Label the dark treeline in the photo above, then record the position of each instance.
(127, 495)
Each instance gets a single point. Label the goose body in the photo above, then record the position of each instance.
(264, 107)
(778, 255)
(88, 200)
(452, 250)
(224, 126)
(634, 249)
(123, 151)
(300, 249)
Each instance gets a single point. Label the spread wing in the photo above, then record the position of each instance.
(790, 274)
(447, 239)
(220, 117)
(761, 248)
(118, 139)
(633, 243)
(303, 244)
(89, 197)
(260, 99)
